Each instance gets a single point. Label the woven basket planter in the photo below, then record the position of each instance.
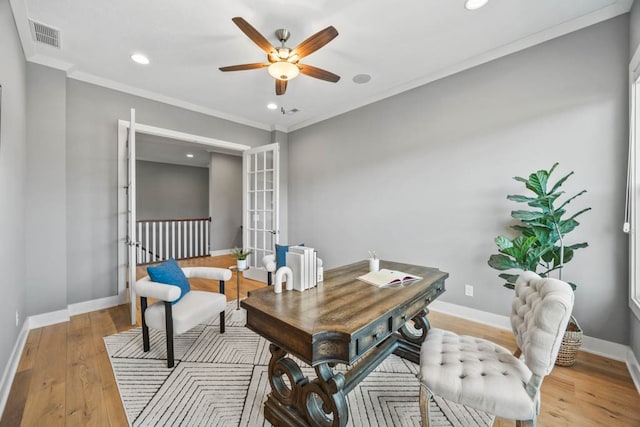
(571, 342)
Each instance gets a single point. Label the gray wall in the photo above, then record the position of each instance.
(422, 177)
(166, 191)
(634, 45)
(92, 114)
(226, 201)
(46, 192)
(13, 154)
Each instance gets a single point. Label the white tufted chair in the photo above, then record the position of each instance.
(193, 308)
(483, 375)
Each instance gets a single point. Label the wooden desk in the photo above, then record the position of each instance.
(342, 320)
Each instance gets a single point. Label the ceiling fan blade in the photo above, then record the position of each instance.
(315, 42)
(318, 73)
(281, 86)
(254, 35)
(245, 66)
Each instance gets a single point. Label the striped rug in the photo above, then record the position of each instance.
(221, 380)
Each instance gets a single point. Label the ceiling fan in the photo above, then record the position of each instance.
(283, 62)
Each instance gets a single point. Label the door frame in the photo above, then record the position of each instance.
(256, 264)
(123, 128)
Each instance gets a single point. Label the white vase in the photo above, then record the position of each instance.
(242, 264)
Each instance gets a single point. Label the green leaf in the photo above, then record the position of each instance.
(520, 179)
(527, 215)
(560, 181)
(503, 242)
(510, 278)
(502, 262)
(566, 202)
(520, 198)
(579, 213)
(578, 246)
(538, 182)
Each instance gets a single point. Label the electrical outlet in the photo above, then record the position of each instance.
(468, 290)
(17, 317)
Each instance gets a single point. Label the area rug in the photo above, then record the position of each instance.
(221, 380)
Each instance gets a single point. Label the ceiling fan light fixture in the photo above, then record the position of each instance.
(284, 52)
(475, 4)
(283, 70)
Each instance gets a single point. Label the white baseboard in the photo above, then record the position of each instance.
(221, 252)
(12, 366)
(634, 368)
(486, 318)
(604, 348)
(597, 346)
(46, 319)
(97, 304)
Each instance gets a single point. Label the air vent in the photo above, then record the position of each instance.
(289, 112)
(45, 34)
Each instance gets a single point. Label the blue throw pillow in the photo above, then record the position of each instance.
(281, 255)
(169, 272)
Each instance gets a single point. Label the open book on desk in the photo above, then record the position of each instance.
(388, 278)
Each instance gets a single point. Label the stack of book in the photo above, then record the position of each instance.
(303, 262)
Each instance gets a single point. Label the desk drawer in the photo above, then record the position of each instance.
(408, 311)
(373, 335)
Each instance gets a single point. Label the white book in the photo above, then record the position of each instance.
(314, 276)
(308, 255)
(295, 263)
(306, 263)
(389, 278)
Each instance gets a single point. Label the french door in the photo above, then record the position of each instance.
(132, 239)
(260, 224)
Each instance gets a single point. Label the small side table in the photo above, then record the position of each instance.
(238, 313)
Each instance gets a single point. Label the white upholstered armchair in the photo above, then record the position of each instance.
(192, 308)
(486, 376)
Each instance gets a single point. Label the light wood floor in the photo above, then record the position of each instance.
(64, 377)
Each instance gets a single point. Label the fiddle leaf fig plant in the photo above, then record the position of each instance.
(540, 244)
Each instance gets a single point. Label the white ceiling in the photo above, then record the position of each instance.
(400, 44)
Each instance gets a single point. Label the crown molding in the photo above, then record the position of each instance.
(618, 8)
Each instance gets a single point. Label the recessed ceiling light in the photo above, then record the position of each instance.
(361, 78)
(140, 58)
(475, 4)
(190, 155)
(272, 106)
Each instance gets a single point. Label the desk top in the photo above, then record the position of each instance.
(343, 317)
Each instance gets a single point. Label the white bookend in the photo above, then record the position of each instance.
(300, 271)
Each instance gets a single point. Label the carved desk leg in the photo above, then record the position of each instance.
(324, 400)
(414, 335)
(294, 401)
(417, 332)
